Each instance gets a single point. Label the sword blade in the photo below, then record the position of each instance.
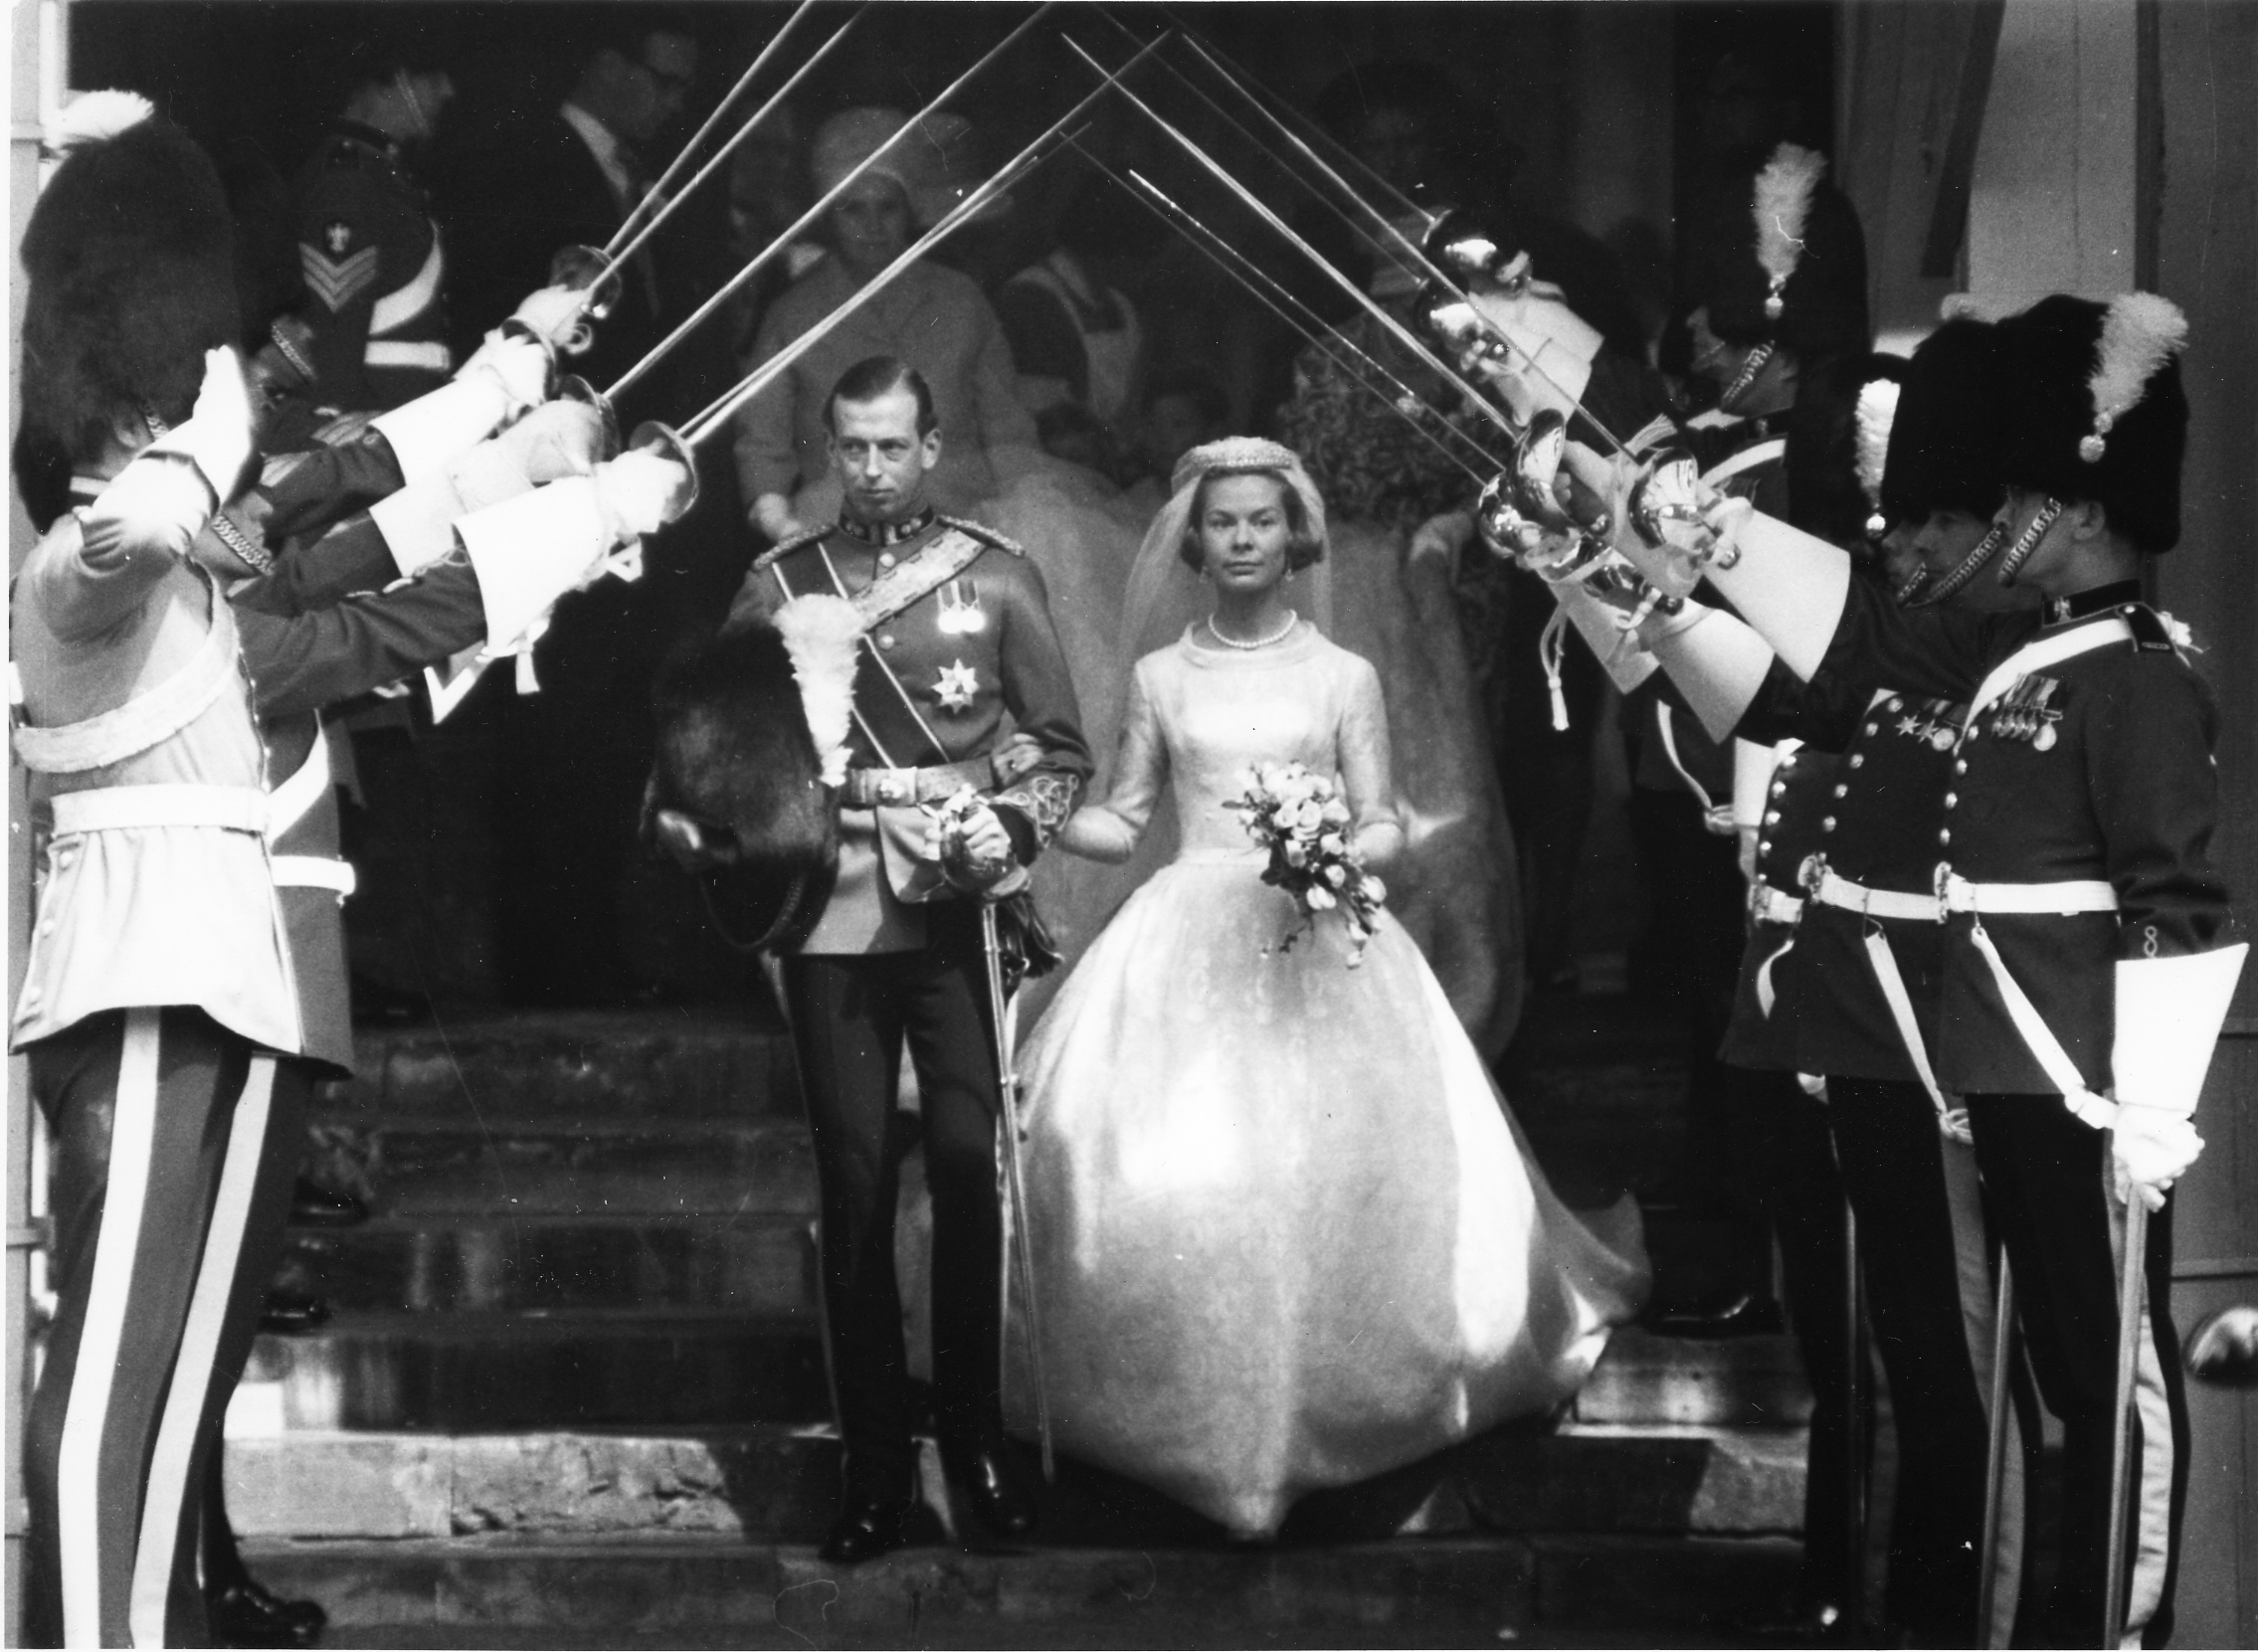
(768, 255)
(1402, 334)
(716, 414)
(657, 192)
(1386, 230)
(1266, 290)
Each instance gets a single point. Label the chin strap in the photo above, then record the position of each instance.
(1917, 592)
(2021, 552)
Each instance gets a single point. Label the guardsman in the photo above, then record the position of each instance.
(374, 267)
(2088, 940)
(177, 981)
(157, 995)
(955, 634)
(1776, 302)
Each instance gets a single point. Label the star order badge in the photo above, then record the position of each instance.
(955, 686)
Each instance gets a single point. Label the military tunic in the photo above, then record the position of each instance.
(935, 684)
(2076, 827)
(1776, 984)
(374, 272)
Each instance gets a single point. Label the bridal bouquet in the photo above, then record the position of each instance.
(1303, 821)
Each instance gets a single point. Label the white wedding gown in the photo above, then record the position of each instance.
(1286, 1234)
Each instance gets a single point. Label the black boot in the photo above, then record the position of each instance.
(868, 1525)
(986, 1477)
(245, 1613)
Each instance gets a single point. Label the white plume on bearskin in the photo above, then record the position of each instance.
(2140, 332)
(95, 115)
(1877, 413)
(1782, 207)
(822, 635)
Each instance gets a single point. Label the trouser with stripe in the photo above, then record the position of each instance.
(1925, 1258)
(174, 1144)
(850, 1019)
(2047, 1173)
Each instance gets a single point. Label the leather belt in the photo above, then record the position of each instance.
(2062, 899)
(905, 788)
(1830, 890)
(1768, 905)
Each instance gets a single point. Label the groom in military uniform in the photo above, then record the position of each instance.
(956, 633)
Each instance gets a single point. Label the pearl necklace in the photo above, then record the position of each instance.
(1293, 620)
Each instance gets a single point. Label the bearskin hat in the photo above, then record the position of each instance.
(2098, 410)
(1946, 444)
(1826, 493)
(735, 753)
(1783, 259)
(131, 258)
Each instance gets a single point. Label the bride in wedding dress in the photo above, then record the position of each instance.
(1286, 1232)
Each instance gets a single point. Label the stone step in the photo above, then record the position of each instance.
(672, 1368)
(758, 1263)
(426, 1167)
(778, 1485)
(720, 1590)
(500, 1371)
(563, 1066)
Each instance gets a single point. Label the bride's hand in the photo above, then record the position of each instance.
(1098, 834)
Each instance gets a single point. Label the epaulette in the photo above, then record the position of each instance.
(982, 532)
(2152, 632)
(787, 545)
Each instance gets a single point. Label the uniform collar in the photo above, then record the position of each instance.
(886, 534)
(2062, 610)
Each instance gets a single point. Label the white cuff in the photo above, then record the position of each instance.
(1718, 667)
(433, 428)
(159, 495)
(531, 550)
(2169, 1014)
(1789, 585)
(418, 522)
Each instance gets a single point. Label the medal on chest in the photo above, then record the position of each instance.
(956, 685)
(2025, 712)
(960, 612)
(1935, 723)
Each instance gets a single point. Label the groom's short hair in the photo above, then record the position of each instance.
(1303, 547)
(877, 376)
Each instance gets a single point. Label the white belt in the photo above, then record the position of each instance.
(127, 807)
(314, 871)
(1829, 891)
(220, 808)
(1768, 905)
(2063, 899)
(431, 357)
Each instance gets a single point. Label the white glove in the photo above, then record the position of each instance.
(2149, 1148)
(554, 440)
(639, 492)
(521, 363)
(217, 439)
(552, 314)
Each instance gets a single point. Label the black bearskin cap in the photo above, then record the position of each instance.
(1826, 495)
(1946, 444)
(132, 256)
(2054, 351)
(735, 755)
(1822, 313)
